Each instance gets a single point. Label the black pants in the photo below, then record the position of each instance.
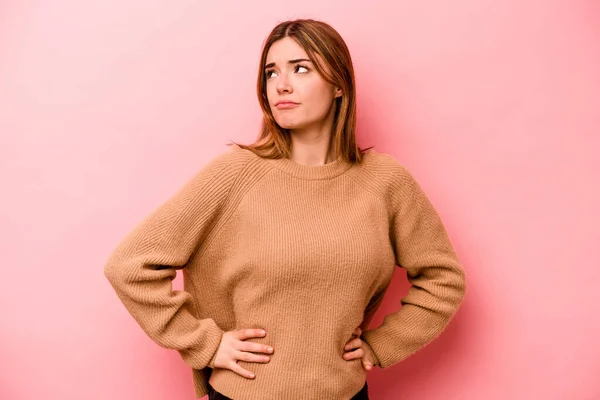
(214, 395)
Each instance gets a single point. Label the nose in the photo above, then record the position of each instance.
(283, 84)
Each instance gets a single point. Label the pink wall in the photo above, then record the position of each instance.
(106, 108)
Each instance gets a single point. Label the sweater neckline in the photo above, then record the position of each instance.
(312, 172)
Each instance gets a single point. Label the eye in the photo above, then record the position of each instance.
(268, 74)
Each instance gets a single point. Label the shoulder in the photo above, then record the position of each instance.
(231, 160)
(226, 165)
(219, 172)
(399, 184)
(385, 177)
(386, 169)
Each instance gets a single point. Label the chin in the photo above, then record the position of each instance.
(287, 124)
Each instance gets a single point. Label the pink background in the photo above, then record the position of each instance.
(108, 107)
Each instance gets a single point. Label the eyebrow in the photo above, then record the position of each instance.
(297, 60)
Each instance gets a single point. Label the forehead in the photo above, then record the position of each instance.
(285, 49)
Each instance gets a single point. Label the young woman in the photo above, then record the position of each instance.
(288, 245)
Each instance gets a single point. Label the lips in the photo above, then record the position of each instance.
(286, 104)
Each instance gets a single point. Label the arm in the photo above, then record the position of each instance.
(142, 267)
(423, 248)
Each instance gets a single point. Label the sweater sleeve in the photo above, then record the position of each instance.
(143, 265)
(422, 246)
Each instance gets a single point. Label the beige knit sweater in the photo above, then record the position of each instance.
(304, 252)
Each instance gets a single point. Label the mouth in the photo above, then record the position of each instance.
(286, 104)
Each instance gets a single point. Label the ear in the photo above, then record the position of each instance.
(338, 92)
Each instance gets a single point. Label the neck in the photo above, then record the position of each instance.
(315, 151)
(312, 145)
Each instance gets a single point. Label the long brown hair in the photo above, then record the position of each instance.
(315, 37)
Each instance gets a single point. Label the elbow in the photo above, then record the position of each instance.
(460, 286)
(117, 268)
(113, 271)
(455, 289)
(453, 295)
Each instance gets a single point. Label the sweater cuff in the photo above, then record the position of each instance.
(203, 355)
(378, 345)
(376, 359)
(211, 362)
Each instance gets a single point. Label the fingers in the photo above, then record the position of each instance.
(244, 334)
(351, 355)
(235, 367)
(359, 353)
(251, 357)
(254, 347)
(234, 348)
(356, 342)
(353, 344)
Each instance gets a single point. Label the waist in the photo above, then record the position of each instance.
(363, 394)
(313, 378)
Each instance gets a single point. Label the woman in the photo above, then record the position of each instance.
(288, 245)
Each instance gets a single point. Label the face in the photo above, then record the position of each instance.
(291, 77)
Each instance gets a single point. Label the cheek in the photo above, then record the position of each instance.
(312, 88)
(319, 98)
(271, 92)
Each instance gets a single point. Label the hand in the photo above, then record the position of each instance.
(233, 347)
(357, 348)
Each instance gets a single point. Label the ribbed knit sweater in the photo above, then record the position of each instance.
(304, 252)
